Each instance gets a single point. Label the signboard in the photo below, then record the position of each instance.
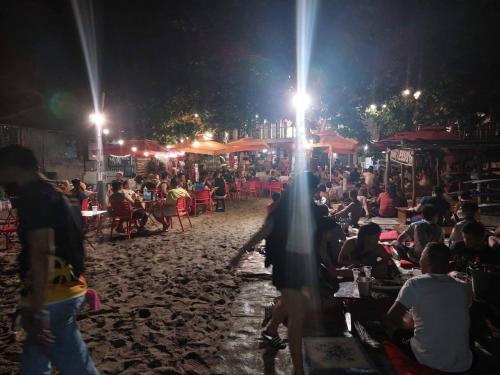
(402, 156)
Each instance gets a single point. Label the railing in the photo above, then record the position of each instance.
(483, 133)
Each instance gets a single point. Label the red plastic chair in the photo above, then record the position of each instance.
(182, 209)
(251, 188)
(85, 204)
(8, 227)
(202, 198)
(275, 186)
(122, 213)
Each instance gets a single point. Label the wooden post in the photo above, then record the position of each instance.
(330, 155)
(437, 171)
(402, 178)
(413, 182)
(387, 167)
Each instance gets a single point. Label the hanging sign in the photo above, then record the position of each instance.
(402, 156)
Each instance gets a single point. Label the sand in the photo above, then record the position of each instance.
(166, 297)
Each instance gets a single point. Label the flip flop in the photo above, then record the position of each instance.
(275, 341)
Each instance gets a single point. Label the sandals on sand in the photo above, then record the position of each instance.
(275, 341)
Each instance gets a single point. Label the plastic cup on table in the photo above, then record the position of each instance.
(368, 271)
(365, 286)
(94, 209)
(355, 274)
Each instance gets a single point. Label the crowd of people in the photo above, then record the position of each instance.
(430, 306)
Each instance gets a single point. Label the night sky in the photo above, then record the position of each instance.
(239, 52)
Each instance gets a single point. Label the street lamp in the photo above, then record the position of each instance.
(146, 153)
(373, 107)
(133, 149)
(406, 92)
(105, 131)
(301, 101)
(417, 94)
(121, 142)
(196, 115)
(98, 120)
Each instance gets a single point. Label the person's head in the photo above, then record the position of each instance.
(430, 213)
(275, 196)
(126, 184)
(437, 191)
(76, 183)
(174, 182)
(138, 179)
(164, 176)
(363, 192)
(469, 209)
(353, 195)
(329, 185)
(119, 176)
(17, 165)
(368, 236)
(116, 186)
(473, 234)
(392, 191)
(322, 188)
(325, 229)
(370, 169)
(435, 258)
(151, 177)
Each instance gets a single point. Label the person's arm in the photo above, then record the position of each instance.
(344, 211)
(398, 316)
(262, 233)
(406, 234)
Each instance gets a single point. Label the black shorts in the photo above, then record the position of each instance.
(294, 271)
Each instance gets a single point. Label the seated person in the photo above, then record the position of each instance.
(469, 211)
(388, 201)
(323, 194)
(163, 185)
(118, 196)
(366, 250)
(436, 308)
(494, 240)
(422, 232)
(79, 191)
(473, 248)
(220, 192)
(127, 190)
(352, 210)
(150, 183)
(438, 200)
(329, 243)
(275, 196)
(173, 194)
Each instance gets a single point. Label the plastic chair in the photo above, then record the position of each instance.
(182, 209)
(202, 198)
(275, 187)
(122, 213)
(251, 188)
(8, 227)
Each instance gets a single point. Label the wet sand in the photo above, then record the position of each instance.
(166, 297)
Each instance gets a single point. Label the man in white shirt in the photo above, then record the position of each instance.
(421, 232)
(469, 210)
(436, 306)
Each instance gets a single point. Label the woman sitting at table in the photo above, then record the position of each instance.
(117, 197)
(352, 210)
(388, 201)
(367, 251)
(127, 190)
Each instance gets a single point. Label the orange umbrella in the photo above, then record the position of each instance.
(247, 144)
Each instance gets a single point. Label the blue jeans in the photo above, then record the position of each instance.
(68, 353)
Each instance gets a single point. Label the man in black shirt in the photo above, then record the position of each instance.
(437, 200)
(51, 268)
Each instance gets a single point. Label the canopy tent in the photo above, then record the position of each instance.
(141, 146)
(247, 144)
(202, 147)
(335, 142)
(427, 135)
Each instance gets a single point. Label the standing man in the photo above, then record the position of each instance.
(51, 265)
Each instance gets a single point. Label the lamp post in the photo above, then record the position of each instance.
(98, 120)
